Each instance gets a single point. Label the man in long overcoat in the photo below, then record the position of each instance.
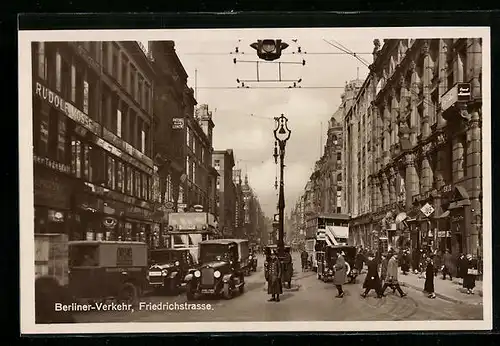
(372, 280)
(392, 275)
(273, 276)
(340, 274)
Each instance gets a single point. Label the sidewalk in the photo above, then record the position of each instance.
(445, 289)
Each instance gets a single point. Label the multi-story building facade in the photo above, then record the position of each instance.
(239, 215)
(254, 219)
(223, 162)
(92, 140)
(425, 142)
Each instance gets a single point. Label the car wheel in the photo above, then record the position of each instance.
(241, 289)
(191, 293)
(227, 291)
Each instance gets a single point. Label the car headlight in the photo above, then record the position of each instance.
(197, 273)
(250, 257)
(164, 272)
(217, 274)
(176, 263)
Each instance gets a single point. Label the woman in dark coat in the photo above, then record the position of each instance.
(470, 265)
(273, 276)
(429, 278)
(372, 280)
(461, 266)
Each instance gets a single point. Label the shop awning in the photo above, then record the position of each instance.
(458, 204)
(461, 193)
(444, 215)
(412, 215)
(401, 217)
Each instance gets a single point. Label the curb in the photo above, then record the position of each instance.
(439, 295)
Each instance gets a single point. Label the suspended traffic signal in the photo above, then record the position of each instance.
(269, 50)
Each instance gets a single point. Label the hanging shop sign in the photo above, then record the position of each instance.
(109, 222)
(444, 234)
(461, 92)
(427, 209)
(177, 123)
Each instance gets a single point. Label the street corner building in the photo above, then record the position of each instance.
(412, 147)
(117, 144)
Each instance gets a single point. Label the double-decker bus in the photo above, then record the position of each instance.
(186, 230)
(323, 230)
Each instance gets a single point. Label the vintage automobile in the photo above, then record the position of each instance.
(286, 263)
(168, 268)
(102, 270)
(253, 261)
(331, 252)
(221, 271)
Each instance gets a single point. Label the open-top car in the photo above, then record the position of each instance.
(168, 268)
(221, 271)
(330, 259)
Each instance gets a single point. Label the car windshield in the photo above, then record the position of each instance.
(84, 255)
(213, 252)
(162, 256)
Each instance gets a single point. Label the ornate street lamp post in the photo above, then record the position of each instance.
(281, 135)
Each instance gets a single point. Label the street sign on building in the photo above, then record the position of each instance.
(177, 123)
(427, 209)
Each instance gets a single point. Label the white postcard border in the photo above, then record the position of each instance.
(27, 312)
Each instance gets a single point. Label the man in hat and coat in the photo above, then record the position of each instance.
(392, 275)
(339, 277)
(273, 276)
(372, 280)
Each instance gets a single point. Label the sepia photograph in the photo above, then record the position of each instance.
(244, 180)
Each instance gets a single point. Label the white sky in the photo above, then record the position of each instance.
(308, 110)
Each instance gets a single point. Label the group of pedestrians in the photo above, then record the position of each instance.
(382, 274)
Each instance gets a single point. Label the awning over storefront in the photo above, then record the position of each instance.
(412, 215)
(401, 217)
(444, 215)
(458, 204)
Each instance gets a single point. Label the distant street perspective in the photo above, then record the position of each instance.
(303, 179)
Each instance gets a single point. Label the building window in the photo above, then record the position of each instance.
(42, 61)
(339, 177)
(147, 97)
(129, 173)
(143, 141)
(339, 157)
(140, 84)
(133, 81)
(120, 177)
(111, 173)
(62, 139)
(218, 183)
(217, 164)
(114, 63)
(188, 137)
(105, 56)
(119, 123)
(124, 73)
(187, 166)
(137, 185)
(145, 184)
